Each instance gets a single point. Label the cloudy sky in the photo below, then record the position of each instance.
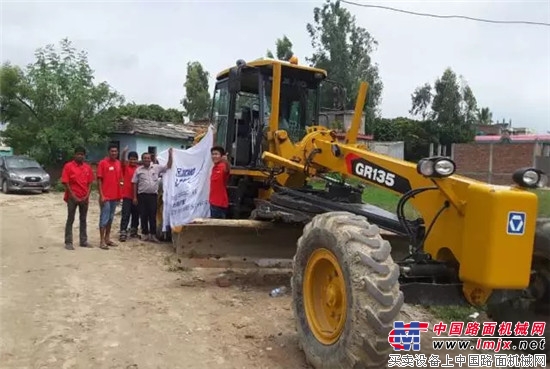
(141, 48)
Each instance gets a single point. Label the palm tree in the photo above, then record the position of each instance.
(484, 116)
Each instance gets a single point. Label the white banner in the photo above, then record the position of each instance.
(186, 187)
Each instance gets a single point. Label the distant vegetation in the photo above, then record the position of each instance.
(54, 104)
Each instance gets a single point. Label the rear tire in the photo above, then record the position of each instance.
(372, 296)
(521, 310)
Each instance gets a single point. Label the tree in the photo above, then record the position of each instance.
(150, 112)
(197, 98)
(446, 104)
(53, 105)
(344, 50)
(484, 116)
(283, 47)
(421, 101)
(417, 135)
(469, 104)
(450, 104)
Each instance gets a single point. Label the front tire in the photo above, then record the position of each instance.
(535, 309)
(345, 293)
(5, 186)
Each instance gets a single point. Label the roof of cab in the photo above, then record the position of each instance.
(262, 62)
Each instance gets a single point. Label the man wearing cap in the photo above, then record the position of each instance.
(77, 177)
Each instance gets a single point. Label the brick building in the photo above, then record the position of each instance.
(492, 159)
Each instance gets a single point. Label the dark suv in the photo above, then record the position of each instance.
(21, 173)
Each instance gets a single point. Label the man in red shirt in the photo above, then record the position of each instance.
(77, 177)
(129, 209)
(219, 201)
(109, 184)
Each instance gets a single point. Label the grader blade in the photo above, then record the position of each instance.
(244, 243)
(236, 243)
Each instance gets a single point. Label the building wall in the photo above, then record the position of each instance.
(493, 162)
(143, 143)
(140, 144)
(490, 129)
(393, 149)
(95, 154)
(343, 117)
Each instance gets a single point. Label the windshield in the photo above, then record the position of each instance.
(297, 108)
(21, 163)
(220, 111)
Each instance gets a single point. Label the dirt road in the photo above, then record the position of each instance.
(125, 308)
(128, 307)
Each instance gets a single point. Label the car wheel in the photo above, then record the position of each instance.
(5, 187)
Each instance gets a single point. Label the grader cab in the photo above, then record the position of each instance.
(474, 243)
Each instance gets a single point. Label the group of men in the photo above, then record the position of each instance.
(136, 184)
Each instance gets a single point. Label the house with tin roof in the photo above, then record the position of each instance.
(146, 136)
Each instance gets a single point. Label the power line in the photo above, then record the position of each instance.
(446, 16)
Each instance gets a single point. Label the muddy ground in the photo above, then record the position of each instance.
(130, 307)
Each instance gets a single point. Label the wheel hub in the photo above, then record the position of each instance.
(332, 296)
(325, 299)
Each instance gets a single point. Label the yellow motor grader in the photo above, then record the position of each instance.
(473, 243)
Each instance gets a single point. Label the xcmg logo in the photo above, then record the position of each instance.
(183, 175)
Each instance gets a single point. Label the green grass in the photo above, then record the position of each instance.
(453, 313)
(388, 201)
(544, 203)
(378, 197)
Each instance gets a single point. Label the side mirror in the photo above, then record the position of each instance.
(234, 83)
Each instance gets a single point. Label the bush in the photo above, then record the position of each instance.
(59, 187)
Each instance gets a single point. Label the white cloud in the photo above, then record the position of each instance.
(142, 48)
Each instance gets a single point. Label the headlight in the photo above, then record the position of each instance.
(425, 167)
(530, 178)
(14, 176)
(436, 167)
(46, 177)
(444, 167)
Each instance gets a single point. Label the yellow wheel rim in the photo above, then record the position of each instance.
(325, 299)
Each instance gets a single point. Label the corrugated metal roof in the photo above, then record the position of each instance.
(133, 126)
